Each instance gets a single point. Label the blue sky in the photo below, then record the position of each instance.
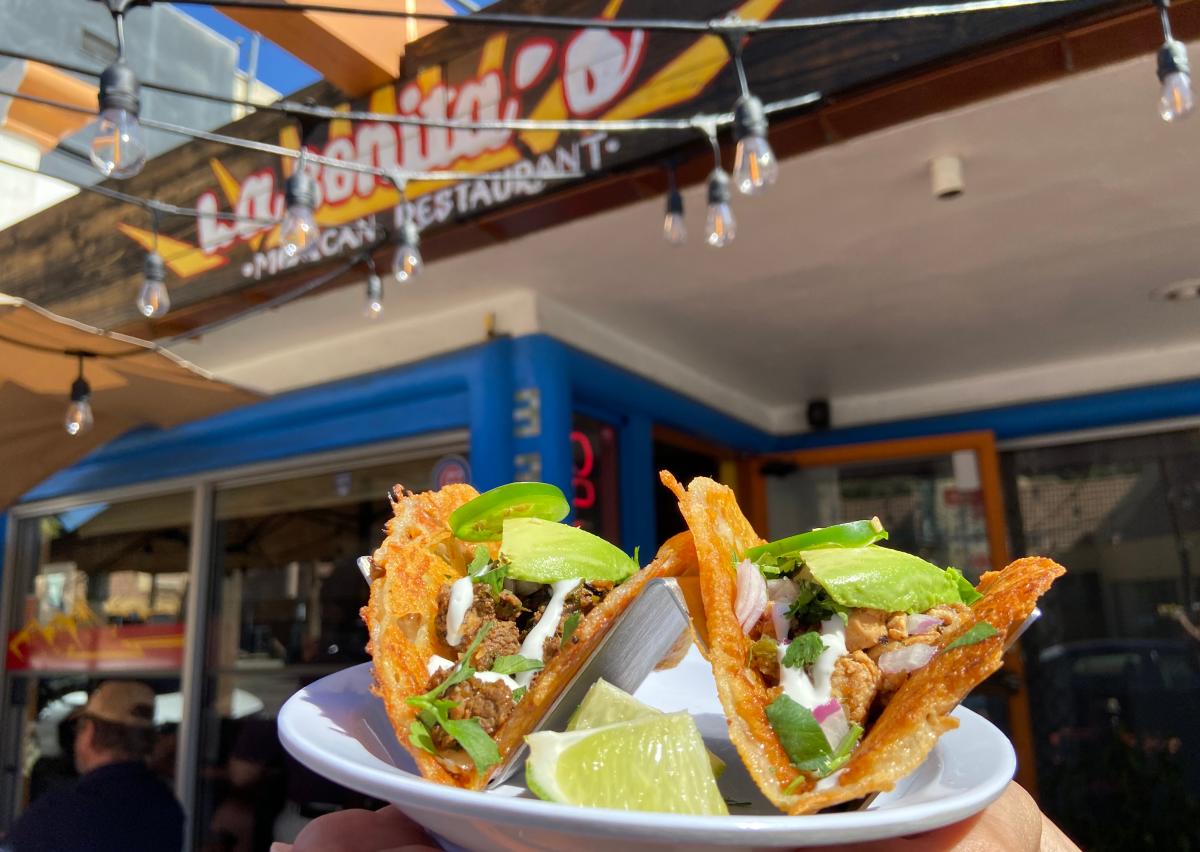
(276, 67)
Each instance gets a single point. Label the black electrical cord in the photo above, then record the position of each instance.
(712, 26)
(150, 204)
(294, 108)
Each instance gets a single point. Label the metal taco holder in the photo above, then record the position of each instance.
(640, 637)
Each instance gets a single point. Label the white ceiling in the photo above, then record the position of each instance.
(849, 280)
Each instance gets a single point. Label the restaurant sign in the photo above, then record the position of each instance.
(588, 73)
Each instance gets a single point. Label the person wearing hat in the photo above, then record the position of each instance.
(118, 803)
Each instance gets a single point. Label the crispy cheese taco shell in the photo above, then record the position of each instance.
(903, 735)
(419, 556)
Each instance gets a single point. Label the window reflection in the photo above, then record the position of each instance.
(1114, 672)
(284, 612)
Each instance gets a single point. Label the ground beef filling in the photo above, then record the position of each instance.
(504, 638)
(490, 704)
(512, 618)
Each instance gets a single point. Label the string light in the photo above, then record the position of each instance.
(118, 146)
(509, 19)
(298, 232)
(674, 229)
(754, 164)
(1177, 99)
(79, 417)
(407, 262)
(720, 227)
(374, 305)
(153, 301)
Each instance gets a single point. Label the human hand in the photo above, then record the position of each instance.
(384, 830)
(1012, 823)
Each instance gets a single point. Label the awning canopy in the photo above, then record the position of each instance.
(133, 383)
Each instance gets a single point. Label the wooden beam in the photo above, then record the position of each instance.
(356, 53)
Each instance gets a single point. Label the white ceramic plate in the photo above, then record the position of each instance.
(338, 729)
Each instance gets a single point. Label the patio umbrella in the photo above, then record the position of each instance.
(133, 383)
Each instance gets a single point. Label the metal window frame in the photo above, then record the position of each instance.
(204, 487)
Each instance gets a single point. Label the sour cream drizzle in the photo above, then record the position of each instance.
(531, 648)
(814, 691)
(437, 664)
(462, 595)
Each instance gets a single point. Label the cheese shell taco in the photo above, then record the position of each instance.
(469, 647)
(838, 674)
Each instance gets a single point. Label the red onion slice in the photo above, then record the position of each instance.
(918, 624)
(780, 620)
(835, 726)
(823, 711)
(751, 595)
(906, 659)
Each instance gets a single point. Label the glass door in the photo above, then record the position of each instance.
(99, 592)
(938, 497)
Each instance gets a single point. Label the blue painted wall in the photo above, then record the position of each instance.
(474, 389)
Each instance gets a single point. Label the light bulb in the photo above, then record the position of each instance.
(118, 147)
(719, 225)
(407, 262)
(79, 413)
(1177, 98)
(153, 299)
(374, 305)
(298, 231)
(754, 165)
(674, 229)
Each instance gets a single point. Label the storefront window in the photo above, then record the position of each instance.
(284, 612)
(1114, 665)
(100, 594)
(931, 506)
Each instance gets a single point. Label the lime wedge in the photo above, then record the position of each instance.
(604, 704)
(655, 763)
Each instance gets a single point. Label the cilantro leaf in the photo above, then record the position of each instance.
(419, 736)
(515, 663)
(979, 632)
(569, 628)
(799, 734)
(474, 739)
(803, 651)
(518, 693)
(493, 579)
(482, 558)
(461, 672)
(965, 590)
(813, 604)
(805, 742)
(842, 753)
